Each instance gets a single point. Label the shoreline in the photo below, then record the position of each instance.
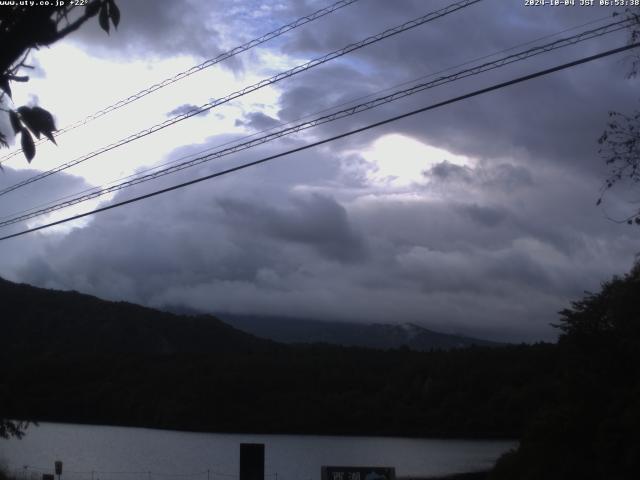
(355, 434)
(455, 476)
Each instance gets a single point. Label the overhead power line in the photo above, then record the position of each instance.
(263, 83)
(331, 139)
(487, 66)
(196, 68)
(352, 102)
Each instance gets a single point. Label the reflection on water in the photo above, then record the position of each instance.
(118, 453)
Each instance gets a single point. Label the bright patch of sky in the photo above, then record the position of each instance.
(398, 160)
(96, 83)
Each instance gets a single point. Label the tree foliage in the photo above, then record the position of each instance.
(620, 141)
(609, 316)
(12, 428)
(591, 429)
(620, 148)
(23, 28)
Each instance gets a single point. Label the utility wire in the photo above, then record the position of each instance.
(283, 124)
(331, 139)
(176, 167)
(93, 191)
(263, 83)
(196, 68)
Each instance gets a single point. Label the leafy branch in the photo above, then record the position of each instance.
(23, 29)
(620, 142)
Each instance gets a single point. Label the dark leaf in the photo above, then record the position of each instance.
(4, 85)
(3, 142)
(104, 18)
(92, 8)
(28, 147)
(599, 201)
(50, 136)
(29, 120)
(46, 123)
(114, 13)
(39, 121)
(15, 122)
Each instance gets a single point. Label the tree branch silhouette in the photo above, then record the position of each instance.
(620, 141)
(23, 28)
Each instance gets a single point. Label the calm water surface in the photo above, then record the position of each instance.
(118, 453)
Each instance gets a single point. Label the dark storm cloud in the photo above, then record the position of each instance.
(161, 27)
(257, 121)
(502, 176)
(186, 108)
(30, 196)
(189, 27)
(15, 252)
(190, 239)
(445, 171)
(447, 41)
(317, 221)
(484, 215)
(321, 88)
(558, 118)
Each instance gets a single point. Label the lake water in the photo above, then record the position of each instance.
(119, 453)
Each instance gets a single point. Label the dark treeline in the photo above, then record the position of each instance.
(591, 429)
(314, 389)
(575, 405)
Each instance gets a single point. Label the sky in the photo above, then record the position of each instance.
(478, 218)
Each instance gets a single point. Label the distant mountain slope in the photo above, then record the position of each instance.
(40, 320)
(376, 335)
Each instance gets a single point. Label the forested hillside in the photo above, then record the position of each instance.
(72, 357)
(36, 320)
(350, 334)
